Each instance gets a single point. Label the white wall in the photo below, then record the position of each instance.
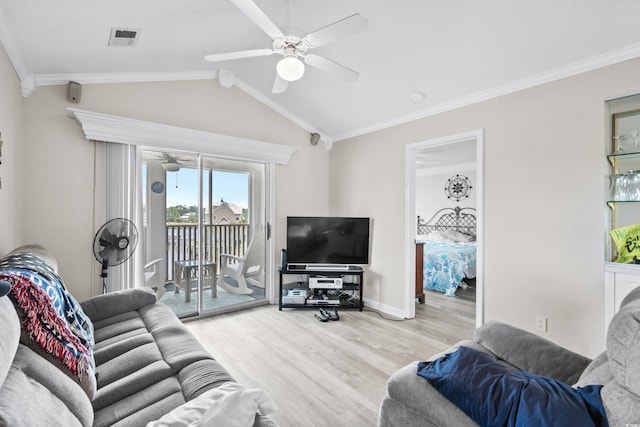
(431, 195)
(11, 132)
(543, 203)
(59, 209)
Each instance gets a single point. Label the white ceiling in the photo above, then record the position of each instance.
(455, 52)
(436, 159)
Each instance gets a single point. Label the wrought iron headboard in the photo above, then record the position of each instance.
(458, 219)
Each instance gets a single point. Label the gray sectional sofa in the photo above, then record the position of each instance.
(146, 365)
(412, 401)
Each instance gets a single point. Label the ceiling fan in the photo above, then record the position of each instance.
(169, 162)
(294, 48)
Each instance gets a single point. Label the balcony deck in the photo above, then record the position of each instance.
(183, 241)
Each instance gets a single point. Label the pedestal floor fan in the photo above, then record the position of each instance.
(113, 244)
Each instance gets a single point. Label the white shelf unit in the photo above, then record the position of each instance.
(622, 151)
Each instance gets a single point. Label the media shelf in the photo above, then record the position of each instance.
(322, 287)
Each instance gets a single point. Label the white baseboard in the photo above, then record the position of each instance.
(383, 308)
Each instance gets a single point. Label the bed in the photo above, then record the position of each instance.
(445, 251)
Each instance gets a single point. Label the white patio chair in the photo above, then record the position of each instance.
(151, 277)
(240, 269)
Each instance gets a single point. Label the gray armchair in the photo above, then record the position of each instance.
(411, 401)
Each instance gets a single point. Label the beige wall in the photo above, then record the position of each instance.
(543, 179)
(60, 182)
(544, 209)
(11, 129)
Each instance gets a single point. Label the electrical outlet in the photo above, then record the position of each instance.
(541, 323)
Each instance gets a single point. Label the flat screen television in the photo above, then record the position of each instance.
(327, 240)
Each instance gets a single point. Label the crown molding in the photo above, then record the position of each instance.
(123, 130)
(99, 78)
(102, 78)
(575, 68)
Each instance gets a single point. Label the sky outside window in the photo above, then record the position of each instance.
(233, 187)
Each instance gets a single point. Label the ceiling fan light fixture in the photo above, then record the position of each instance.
(171, 166)
(290, 68)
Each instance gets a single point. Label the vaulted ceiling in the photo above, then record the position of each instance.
(418, 57)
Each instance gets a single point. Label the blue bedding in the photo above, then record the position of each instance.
(493, 395)
(446, 264)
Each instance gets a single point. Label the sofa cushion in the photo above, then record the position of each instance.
(178, 346)
(395, 414)
(623, 346)
(10, 336)
(35, 391)
(147, 363)
(514, 345)
(116, 326)
(127, 385)
(115, 347)
(105, 306)
(622, 396)
(230, 405)
(632, 296)
(147, 404)
(202, 376)
(419, 397)
(127, 364)
(494, 395)
(598, 372)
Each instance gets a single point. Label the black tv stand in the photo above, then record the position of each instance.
(299, 292)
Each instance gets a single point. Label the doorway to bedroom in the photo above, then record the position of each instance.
(444, 222)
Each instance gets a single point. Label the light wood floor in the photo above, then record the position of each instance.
(334, 373)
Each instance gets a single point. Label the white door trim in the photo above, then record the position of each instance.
(410, 219)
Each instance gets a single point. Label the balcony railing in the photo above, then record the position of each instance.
(183, 241)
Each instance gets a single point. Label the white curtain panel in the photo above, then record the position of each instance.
(123, 174)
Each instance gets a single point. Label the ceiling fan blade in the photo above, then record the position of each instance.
(217, 57)
(279, 85)
(254, 13)
(324, 64)
(350, 25)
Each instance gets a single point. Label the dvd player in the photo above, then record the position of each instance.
(323, 302)
(325, 282)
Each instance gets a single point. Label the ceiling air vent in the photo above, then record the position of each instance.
(124, 36)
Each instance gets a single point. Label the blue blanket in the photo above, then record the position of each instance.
(493, 395)
(51, 316)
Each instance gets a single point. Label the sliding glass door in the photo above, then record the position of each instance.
(204, 231)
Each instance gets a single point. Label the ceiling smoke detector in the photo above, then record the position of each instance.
(124, 37)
